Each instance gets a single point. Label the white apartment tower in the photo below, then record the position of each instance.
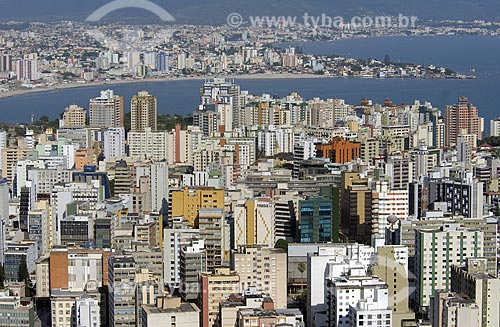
(355, 299)
(106, 110)
(114, 143)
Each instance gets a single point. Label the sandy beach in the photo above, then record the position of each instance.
(164, 79)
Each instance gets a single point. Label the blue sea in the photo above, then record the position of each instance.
(461, 53)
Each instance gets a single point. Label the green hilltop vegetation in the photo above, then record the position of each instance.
(165, 121)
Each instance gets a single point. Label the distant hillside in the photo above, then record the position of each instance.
(216, 11)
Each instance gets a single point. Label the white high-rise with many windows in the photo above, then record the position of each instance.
(495, 127)
(27, 68)
(114, 143)
(3, 143)
(355, 299)
(107, 110)
(386, 202)
(157, 146)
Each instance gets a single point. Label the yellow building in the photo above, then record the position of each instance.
(188, 202)
(10, 157)
(74, 116)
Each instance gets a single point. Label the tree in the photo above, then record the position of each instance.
(301, 301)
(23, 273)
(301, 267)
(387, 59)
(281, 244)
(24, 276)
(112, 187)
(2, 277)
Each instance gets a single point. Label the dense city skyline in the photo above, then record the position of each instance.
(292, 204)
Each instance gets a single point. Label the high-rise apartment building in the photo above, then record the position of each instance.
(144, 111)
(461, 118)
(220, 91)
(435, 253)
(265, 269)
(333, 260)
(123, 181)
(423, 160)
(73, 269)
(3, 144)
(399, 169)
(188, 202)
(16, 312)
(176, 236)
(161, 62)
(87, 312)
(149, 144)
(5, 62)
(156, 175)
(339, 150)
(391, 266)
(449, 309)
(465, 144)
(212, 231)
(386, 202)
(495, 127)
(74, 116)
(206, 120)
(356, 210)
(215, 288)
(356, 299)
(27, 68)
(474, 281)
(114, 143)
(463, 196)
(106, 110)
(4, 215)
(121, 291)
(193, 261)
(10, 157)
(254, 222)
(285, 218)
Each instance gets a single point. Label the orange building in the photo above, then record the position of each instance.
(82, 158)
(87, 156)
(58, 268)
(461, 118)
(61, 259)
(339, 150)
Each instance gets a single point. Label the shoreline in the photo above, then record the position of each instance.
(262, 76)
